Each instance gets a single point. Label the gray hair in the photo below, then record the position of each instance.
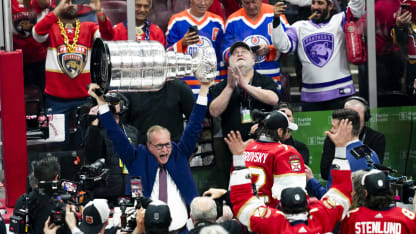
(213, 229)
(203, 209)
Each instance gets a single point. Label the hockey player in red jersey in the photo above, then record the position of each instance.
(296, 214)
(379, 214)
(274, 166)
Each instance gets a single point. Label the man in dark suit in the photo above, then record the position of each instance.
(162, 164)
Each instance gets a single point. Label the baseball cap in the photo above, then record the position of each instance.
(94, 215)
(278, 119)
(239, 44)
(157, 217)
(293, 197)
(375, 182)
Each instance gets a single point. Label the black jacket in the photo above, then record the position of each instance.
(98, 145)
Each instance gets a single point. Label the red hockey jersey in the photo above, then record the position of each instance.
(274, 166)
(321, 216)
(67, 74)
(394, 221)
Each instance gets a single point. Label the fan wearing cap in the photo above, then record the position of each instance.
(274, 166)
(243, 91)
(155, 219)
(296, 213)
(379, 214)
(314, 186)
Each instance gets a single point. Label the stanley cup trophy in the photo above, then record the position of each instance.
(137, 66)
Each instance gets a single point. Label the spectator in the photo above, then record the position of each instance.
(273, 165)
(313, 185)
(39, 202)
(368, 136)
(204, 214)
(209, 33)
(34, 54)
(174, 99)
(389, 59)
(320, 44)
(252, 25)
(95, 217)
(155, 219)
(378, 213)
(162, 164)
(289, 140)
(295, 214)
(165, 9)
(214, 229)
(144, 29)
(243, 91)
(98, 145)
(67, 61)
(85, 10)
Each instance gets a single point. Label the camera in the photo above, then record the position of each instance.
(403, 189)
(136, 200)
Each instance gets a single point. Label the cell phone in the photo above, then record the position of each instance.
(193, 28)
(255, 48)
(136, 186)
(361, 152)
(69, 186)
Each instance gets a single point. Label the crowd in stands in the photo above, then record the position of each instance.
(269, 187)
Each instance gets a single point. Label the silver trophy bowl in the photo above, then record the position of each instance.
(138, 66)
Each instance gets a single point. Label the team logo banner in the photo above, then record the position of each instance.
(319, 48)
(72, 64)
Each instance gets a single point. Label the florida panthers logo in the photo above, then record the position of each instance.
(72, 64)
(254, 40)
(319, 48)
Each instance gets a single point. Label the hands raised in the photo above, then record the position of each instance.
(235, 143)
(342, 135)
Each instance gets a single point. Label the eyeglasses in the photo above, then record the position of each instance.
(160, 146)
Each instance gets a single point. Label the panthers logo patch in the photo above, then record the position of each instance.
(319, 48)
(72, 64)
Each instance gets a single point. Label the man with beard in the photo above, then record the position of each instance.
(144, 29)
(67, 61)
(320, 44)
(243, 91)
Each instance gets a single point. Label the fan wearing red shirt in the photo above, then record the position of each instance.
(144, 29)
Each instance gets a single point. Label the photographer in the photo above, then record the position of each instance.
(39, 203)
(98, 145)
(153, 219)
(95, 217)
